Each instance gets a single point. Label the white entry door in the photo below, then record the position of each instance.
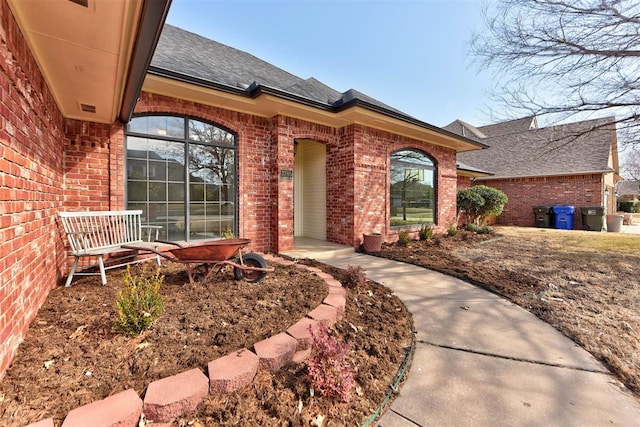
(310, 190)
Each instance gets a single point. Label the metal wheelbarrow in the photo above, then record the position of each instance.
(212, 255)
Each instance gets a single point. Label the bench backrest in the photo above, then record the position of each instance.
(95, 230)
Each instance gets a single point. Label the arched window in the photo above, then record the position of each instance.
(182, 173)
(412, 188)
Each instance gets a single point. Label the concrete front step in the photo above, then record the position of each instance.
(171, 397)
(121, 410)
(231, 372)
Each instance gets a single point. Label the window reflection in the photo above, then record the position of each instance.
(186, 185)
(412, 188)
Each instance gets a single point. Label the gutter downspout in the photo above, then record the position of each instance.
(154, 13)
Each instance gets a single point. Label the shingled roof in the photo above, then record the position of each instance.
(628, 188)
(510, 127)
(188, 54)
(465, 129)
(568, 149)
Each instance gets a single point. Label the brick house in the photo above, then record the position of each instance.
(572, 164)
(628, 191)
(103, 110)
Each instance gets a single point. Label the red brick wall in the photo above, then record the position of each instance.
(357, 175)
(93, 166)
(341, 187)
(371, 182)
(31, 146)
(286, 131)
(524, 193)
(464, 182)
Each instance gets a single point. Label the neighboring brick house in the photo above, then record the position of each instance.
(219, 139)
(628, 191)
(573, 164)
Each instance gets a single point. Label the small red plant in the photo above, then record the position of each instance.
(329, 371)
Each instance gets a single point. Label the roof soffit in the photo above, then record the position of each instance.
(266, 102)
(83, 52)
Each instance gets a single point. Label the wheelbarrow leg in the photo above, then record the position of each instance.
(189, 273)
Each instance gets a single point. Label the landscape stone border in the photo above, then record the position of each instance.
(170, 397)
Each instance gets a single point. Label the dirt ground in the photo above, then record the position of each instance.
(585, 284)
(71, 357)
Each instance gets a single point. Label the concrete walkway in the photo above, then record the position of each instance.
(482, 361)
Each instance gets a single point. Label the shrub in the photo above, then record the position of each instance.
(403, 238)
(425, 233)
(329, 370)
(452, 230)
(485, 230)
(469, 203)
(479, 202)
(353, 277)
(140, 303)
(474, 228)
(629, 206)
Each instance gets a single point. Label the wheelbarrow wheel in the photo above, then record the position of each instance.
(251, 276)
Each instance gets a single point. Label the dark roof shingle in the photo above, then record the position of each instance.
(182, 52)
(574, 148)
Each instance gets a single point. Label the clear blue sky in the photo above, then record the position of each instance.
(409, 54)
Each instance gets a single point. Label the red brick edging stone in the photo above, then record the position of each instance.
(171, 397)
(231, 372)
(121, 409)
(168, 398)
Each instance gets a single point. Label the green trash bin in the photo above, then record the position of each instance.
(592, 218)
(543, 217)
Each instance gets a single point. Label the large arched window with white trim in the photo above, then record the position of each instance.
(182, 173)
(412, 188)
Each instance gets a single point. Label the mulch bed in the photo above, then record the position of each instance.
(71, 356)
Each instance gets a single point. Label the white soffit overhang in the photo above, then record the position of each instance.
(83, 49)
(267, 105)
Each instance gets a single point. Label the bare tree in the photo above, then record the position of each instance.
(631, 165)
(565, 59)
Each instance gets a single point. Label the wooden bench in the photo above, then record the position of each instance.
(98, 233)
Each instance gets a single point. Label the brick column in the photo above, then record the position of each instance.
(282, 183)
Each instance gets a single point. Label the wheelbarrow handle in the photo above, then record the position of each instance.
(167, 242)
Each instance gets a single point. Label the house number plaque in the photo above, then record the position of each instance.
(286, 175)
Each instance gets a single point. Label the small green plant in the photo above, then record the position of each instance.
(485, 230)
(228, 233)
(474, 228)
(328, 368)
(354, 277)
(403, 238)
(425, 233)
(140, 303)
(452, 231)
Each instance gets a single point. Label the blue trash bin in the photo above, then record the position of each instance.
(563, 217)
